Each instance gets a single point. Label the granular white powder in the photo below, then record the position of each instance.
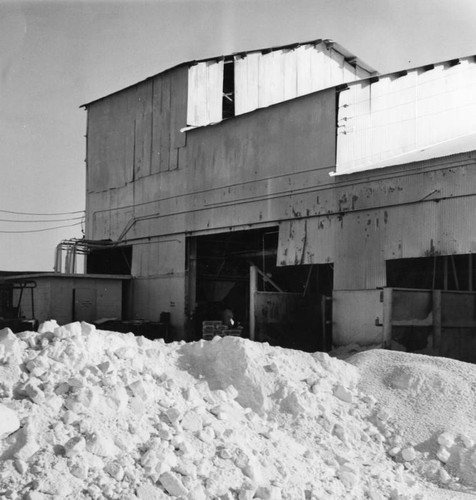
(89, 414)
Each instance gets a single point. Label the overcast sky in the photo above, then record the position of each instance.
(55, 56)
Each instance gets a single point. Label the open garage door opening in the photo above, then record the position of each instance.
(236, 273)
(430, 306)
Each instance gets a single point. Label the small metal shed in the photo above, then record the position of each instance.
(72, 297)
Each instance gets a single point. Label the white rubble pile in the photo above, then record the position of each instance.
(90, 414)
(431, 403)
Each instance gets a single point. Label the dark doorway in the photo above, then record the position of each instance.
(221, 267)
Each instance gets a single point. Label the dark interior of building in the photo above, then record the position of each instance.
(288, 310)
(109, 260)
(437, 272)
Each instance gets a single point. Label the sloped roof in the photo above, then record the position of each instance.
(351, 58)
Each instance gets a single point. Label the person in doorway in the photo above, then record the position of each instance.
(227, 317)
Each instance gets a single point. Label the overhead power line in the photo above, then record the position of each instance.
(42, 220)
(42, 214)
(43, 229)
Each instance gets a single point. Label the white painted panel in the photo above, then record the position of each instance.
(266, 72)
(265, 79)
(303, 69)
(246, 83)
(205, 93)
(336, 68)
(401, 114)
(215, 91)
(289, 77)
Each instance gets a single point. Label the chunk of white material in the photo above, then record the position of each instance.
(115, 470)
(9, 421)
(268, 493)
(409, 454)
(101, 444)
(148, 491)
(443, 454)
(446, 439)
(192, 422)
(48, 326)
(467, 441)
(26, 444)
(75, 446)
(342, 393)
(172, 483)
(137, 388)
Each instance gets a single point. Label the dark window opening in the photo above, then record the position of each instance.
(109, 261)
(438, 272)
(228, 88)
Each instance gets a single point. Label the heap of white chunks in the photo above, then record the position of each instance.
(90, 414)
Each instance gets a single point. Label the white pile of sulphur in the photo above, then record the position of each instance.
(90, 414)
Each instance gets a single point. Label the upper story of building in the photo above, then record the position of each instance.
(180, 151)
(140, 130)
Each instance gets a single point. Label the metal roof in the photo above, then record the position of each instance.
(329, 43)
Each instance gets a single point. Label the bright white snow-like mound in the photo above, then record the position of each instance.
(432, 404)
(90, 414)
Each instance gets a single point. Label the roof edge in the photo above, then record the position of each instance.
(328, 42)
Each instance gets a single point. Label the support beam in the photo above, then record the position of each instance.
(387, 317)
(437, 320)
(253, 290)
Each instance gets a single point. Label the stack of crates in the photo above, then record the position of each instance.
(211, 329)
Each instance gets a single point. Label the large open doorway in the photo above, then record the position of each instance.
(430, 306)
(280, 305)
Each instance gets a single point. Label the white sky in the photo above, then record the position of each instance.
(55, 56)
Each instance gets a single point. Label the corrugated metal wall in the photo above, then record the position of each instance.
(404, 213)
(401, 113)
(134, 139)
(269, 78)
(263, 79)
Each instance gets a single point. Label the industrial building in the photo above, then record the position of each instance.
(296, 187)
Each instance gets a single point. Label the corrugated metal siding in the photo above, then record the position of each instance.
(306, 241)
(428, 211)
(205, 93)
(269, 78)
(161, 257)
(398, 114)
(136, 133)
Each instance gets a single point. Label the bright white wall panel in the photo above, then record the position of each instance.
(399, 114)
(205, 93)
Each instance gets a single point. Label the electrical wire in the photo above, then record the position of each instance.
(43, 229)
(42, 214)
(42, 220)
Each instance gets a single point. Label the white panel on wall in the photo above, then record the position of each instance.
(399, 114)
(270, 79)
(289, 76)
(205, 93)
(303, 69)
(246, 82)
